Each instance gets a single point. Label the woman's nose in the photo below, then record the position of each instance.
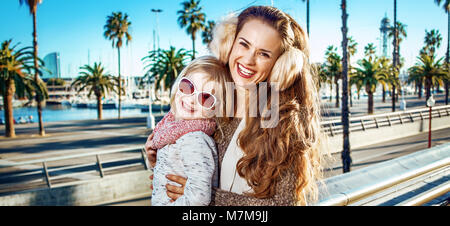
(249, 58)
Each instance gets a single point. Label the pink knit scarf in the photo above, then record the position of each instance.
(168, 130)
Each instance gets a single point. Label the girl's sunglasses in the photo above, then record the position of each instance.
(205, 99)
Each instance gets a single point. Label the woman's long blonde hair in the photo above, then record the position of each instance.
(296, 143)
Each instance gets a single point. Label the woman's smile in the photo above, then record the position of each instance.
(244, 72)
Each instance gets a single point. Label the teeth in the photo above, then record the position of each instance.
(245, 71)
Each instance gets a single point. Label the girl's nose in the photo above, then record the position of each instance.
(190, 99)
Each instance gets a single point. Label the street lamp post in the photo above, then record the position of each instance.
(151, 118)
(430, 104)
(156, 11)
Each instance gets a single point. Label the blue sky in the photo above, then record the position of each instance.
(74, 28)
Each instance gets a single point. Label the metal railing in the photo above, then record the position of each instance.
(419, 177)
(71, 169)
(362, 123)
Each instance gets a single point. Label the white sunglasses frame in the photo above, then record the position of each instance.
(196, 93)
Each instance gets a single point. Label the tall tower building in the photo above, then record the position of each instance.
(52, 64)
(384, 29)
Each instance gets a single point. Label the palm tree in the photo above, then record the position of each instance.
(16, 79)
(334, 68)
(165, 65)
(97, 81)
(351, 51)
(398, 31)
(193, 19)
(415, 77)
(369, 73)
(346, 159)
(116, 29)
(369, 51)
(32, 5)
(207, 32)
(446, 6)
(430, 70)
(307, 15)
(387, 79)
(432, 42)
(354, 80)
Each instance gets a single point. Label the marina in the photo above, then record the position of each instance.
(55, 113)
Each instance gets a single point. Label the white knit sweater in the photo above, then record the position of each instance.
(194, 155)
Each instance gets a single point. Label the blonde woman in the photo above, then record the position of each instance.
(260, 165)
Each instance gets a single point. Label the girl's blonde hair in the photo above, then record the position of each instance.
(217, 72)
(297, 142)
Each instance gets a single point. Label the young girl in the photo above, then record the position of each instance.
(182, 137)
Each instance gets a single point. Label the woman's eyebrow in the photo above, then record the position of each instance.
(264, 50)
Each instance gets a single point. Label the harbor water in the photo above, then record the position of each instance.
(53, 113)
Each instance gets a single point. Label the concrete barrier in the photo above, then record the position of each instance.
(373, 136)
(113, 188)
(390, 182)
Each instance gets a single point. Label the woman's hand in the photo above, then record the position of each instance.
(151, 153)
(174, 192)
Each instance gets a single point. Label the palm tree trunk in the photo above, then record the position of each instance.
(7, 103)
(346, 158)
(397, 93)
(370, 102)
(99, 107)
(120, 84)
(307, 17)
(337, 92)
(331, 91)
(393, 97)
(193, 46)
(36, 76)
(350, 94)
(384, 94)
(428, 87)
(420, 89)
(395, 53)
(447, 56)
(446, 92)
